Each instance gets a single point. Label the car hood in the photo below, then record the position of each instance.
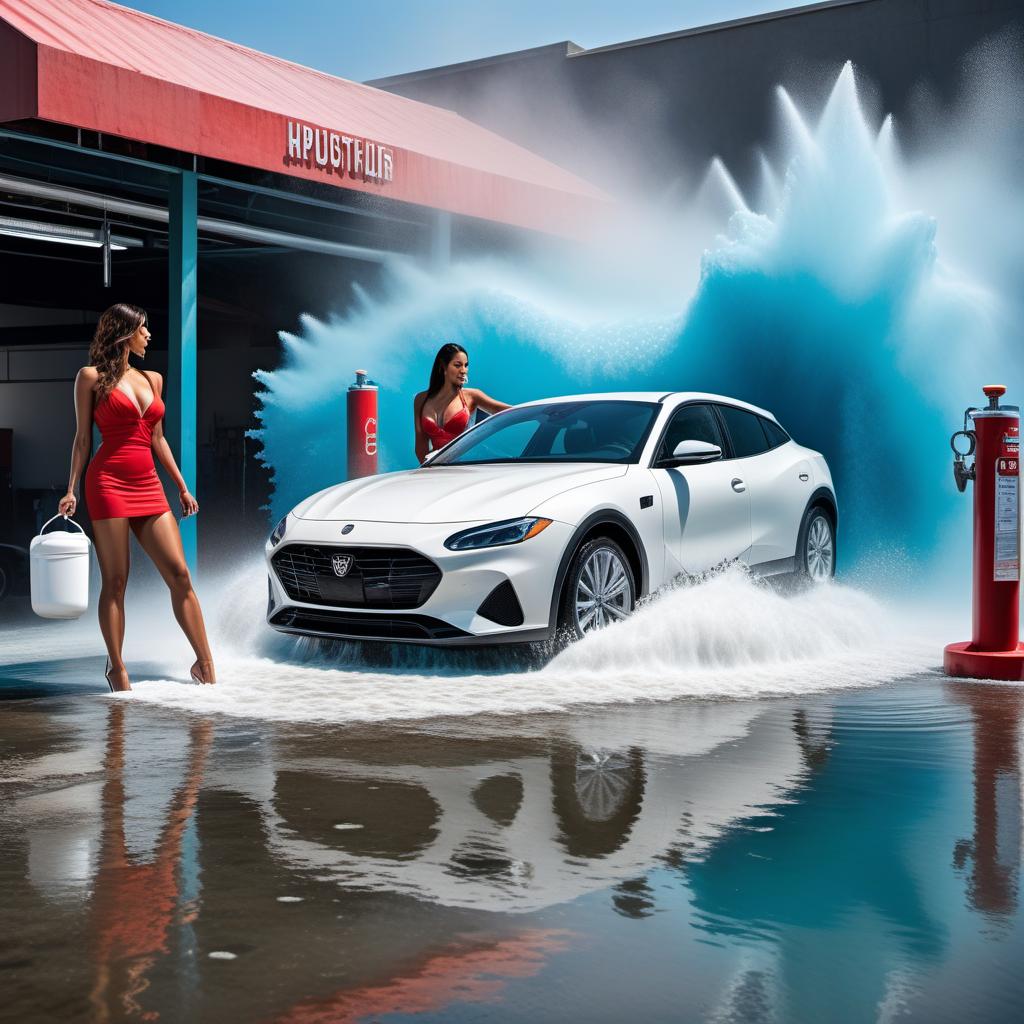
(452, 494)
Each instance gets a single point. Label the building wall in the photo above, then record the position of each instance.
(39, 459)
(643, 115)
(36, 389)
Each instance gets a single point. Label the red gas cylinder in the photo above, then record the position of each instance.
(995, 651)
(362, 427)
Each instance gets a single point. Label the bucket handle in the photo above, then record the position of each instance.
(66, 519)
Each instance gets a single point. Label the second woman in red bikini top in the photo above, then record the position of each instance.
(450, 371)
(440, 434)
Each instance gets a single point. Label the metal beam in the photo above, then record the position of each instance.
(231, 229)
(208, 225)
(182, 305)
(323, 204)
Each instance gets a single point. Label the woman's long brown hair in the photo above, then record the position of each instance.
(109, 349)
(445, 354)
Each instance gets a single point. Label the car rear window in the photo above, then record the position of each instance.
(775, 434)
(748, 438)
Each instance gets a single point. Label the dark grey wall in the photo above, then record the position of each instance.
(660, 108)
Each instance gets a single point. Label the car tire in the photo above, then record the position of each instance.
(601, 576)
(816, 547)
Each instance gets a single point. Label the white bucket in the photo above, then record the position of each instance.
(59, 572)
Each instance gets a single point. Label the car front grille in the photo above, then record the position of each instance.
(372, 577)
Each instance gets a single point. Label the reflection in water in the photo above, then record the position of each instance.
(840, 852)
(634, 898)
(135, 904)
(995, 849)
(500, 798)
(751, 998)
(466, 973)
(597, 797)
(552, 819)
(390, 819)
(814, 739)
(759, 861)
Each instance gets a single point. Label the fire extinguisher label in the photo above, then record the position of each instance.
(370, 436)
(1007, 536)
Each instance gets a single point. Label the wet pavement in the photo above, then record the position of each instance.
(844, 856)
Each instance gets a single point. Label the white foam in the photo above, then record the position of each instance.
(728, 638)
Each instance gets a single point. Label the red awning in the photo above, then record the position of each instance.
(95, 65)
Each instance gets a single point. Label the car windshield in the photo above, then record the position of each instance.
(583, 431)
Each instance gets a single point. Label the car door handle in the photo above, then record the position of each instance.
(738, 485)
(804, 477)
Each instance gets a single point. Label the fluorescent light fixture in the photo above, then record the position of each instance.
(38, 231)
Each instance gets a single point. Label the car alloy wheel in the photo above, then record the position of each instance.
(600, 588)
(819, 549)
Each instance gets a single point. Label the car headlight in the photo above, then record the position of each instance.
(278, 532)
(493, 535)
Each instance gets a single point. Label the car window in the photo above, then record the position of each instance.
(775, 434)
(583, 431)
(691, 423)
(506, 444)
(744, 431)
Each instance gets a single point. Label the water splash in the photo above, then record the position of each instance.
(729, 638)
(825, 299)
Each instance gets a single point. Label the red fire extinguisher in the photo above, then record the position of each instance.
(995, 650)
(362, 427)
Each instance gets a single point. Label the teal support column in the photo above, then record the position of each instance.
(183, 258)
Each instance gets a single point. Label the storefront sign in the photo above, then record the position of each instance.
(337, 153)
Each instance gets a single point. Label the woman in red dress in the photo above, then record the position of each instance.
(444, 410)
(122, 490)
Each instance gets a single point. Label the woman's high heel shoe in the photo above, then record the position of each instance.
(202, 672)
(106, 675)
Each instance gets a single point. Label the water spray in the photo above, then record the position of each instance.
(994, 651)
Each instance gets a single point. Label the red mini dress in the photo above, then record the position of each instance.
(441, 434)
(121, 480)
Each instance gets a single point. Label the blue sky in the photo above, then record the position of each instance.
(357, 39)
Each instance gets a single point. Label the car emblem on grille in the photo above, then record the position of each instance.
(348, 528)
(342, 564)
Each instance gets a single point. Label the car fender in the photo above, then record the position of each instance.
(822, 474)
(598, 518)
(828, 495)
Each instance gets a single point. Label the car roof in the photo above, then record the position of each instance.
(669, 398)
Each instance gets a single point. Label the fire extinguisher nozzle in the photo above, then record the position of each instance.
(993, 392)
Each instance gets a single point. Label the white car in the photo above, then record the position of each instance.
(553, 518)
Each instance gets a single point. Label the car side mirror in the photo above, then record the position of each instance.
(691, 453)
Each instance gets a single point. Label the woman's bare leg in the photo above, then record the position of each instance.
(161, 540)
(113, 554)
